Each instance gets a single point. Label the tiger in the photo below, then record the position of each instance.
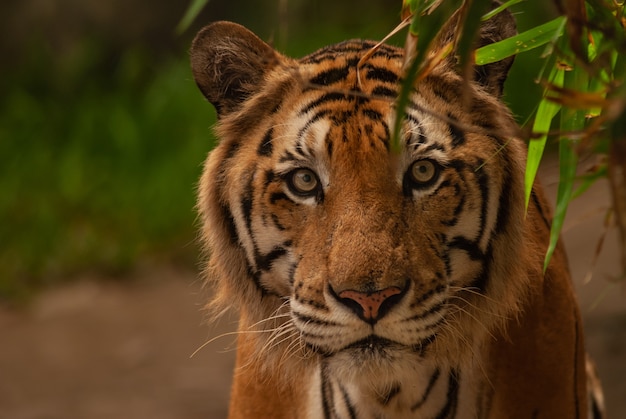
(375, 281)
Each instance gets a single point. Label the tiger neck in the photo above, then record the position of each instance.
(416, 390)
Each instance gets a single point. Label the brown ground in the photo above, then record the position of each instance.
(101, 349)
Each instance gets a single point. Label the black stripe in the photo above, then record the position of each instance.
(277, 222)
(427, 295)
(506, 192)
(421, 347)
(229, 221)
(386, 398)
(312, 303)
(288, 157)
(434, 309)
(421, 139)
(413, 119)
(256, 278)
(431, 327)
(300, 149)
(452, 397)
(308, 319)
(431, 384)
(331, 76)
(264, 262)
(483, 186)
(482, 279)
(246, 206)
(457, 134)
(327, 395)
(231, 149)
(266, 147)
(341, 117)
(348, 402)
(380, 74)
(372, 114)
(291, 276)
(448, 263)
(319, 115)
(459, 208)
(436, 146)
(469, 246)
(382, 91)
(326, 98)
(329, 145)
(278, 196)
(535, 198)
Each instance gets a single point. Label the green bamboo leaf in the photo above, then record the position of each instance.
(192, 12)
(425, 27)
(500, 8)
(522, 42)
(571, 120)
(546, 112)
(568, 160)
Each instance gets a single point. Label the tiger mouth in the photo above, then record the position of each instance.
(375, 344)
(372, 343)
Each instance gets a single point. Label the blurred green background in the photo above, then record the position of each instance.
(103, 132)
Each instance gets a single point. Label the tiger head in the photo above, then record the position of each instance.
(332, 241)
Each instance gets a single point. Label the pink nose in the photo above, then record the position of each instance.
(371, 306)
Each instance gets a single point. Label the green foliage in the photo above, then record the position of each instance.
(192, 12)
(97, 171)
(525, 41)
(584, 47)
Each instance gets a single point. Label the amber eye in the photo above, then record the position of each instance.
(423, 172)
(303, 182)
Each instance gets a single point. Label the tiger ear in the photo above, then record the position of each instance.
(229, 63)
(501, 26)
(492, 76)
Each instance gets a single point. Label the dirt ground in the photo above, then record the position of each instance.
(101, 349)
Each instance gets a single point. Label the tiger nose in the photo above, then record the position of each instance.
(370, 306)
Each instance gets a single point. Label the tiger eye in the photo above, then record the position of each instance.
(304, 182)
(423, 171)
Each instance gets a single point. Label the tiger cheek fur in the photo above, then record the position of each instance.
(373, 283)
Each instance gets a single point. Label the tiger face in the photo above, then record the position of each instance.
(359, 253)
(375, 276)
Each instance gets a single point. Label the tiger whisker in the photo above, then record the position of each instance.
(458, 309)
(474, 291)
(477, 308)
(475, 358)
(274, 316)
(273, 341)
(223, 335)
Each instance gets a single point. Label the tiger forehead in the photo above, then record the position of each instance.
(356, 66)
(350, 86)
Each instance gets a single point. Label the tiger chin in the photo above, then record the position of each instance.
(380, 280)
